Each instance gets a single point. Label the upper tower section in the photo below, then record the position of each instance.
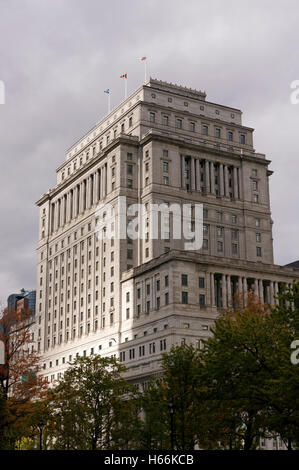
(164, 107)
(189, 101)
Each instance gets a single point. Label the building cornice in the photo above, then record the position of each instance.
(184, 142)
(207, 261)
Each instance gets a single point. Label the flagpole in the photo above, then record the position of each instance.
(109, 102)
(126, 88)
(145, 70)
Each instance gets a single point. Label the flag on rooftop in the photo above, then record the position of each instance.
(123, 76)
(107, 91)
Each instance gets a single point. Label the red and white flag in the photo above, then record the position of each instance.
(142, 58)
(124, 76)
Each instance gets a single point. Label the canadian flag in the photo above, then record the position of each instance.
(142, 58)
(124, 76)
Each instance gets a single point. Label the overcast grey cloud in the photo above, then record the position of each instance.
(57, 57)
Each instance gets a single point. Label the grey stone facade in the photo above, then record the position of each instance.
(135, 299)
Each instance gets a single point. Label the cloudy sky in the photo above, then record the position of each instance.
(57, 57)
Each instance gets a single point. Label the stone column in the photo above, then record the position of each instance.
(236, 196)
(52, 217)
(192, 169)
(105, 180)
(212, 281)
(256, 288)
(226, 185)
(102, 183)
(95, 187)
(207, 177)
(63, 219)
(212, 172)
(221, 180)
(261, 290)
(183, 172)
(229, 290)
(276, 290)
(82, 196)
(239, 171)
(240, 287)
(197, 171)
(75, 207)
(68, 211)
(87, 193)
(245, 290)
(57, 215)
(224, 291)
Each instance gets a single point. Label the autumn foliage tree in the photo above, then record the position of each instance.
(20, 383)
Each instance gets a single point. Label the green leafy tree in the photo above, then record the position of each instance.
(282, 389)
(170, 404)
(88, 405)
(249, 376)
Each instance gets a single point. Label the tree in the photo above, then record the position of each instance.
(90, 405)
(20, 382)
(155, 433)
(248, 374)
(282, 390)
(171, 403)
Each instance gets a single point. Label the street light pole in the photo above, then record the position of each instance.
(40, 426)
(171, 410)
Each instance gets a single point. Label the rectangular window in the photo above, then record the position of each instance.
(219, 231)
(165, 167)
(218, 132)
(152, 117)
(201, 282)
(179, 123)
(165, 180)
(258, 237)
(219, 246)
(234, 234)
(184, 280)
(242, 139)
(165, 120)
(205, 130)
(230, 136)
(202, 300)
(258, 251)
(234, 248)
(184, 297)
(192, 126)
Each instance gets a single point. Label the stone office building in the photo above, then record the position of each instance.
(134, 299)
